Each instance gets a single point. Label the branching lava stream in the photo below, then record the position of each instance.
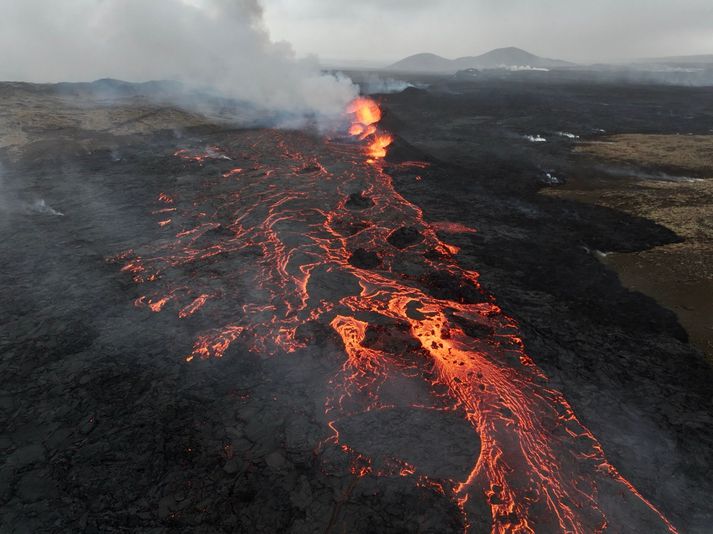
(297, 236)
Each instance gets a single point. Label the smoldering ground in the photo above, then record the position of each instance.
(102, 411)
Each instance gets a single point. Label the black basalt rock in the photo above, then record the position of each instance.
(364, 259)
(358, 201)
(405, 237)
(447, 286)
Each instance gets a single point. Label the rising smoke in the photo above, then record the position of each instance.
(375, 84)
(220, 44)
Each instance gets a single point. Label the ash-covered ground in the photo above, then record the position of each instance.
(106, 295)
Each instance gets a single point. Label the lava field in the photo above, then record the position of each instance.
(262, 330)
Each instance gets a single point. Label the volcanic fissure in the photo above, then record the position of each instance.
(307, 242)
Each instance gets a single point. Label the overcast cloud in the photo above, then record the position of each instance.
(577, 30)
(220, 44)
(249, 48)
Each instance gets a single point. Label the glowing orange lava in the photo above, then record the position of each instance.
(303, 240)
(365, 110)
(453, 228)
(367, 114)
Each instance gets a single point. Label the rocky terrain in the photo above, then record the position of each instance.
(106, 425)
(666, 179)
(541, 252)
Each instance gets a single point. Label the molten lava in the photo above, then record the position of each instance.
(302, 236)
(366, 114)
(365, 111)
(378, 145)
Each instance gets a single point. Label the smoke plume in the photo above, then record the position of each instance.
(375, 84)
(218, 44)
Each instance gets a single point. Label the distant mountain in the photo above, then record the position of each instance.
(509, 57)
(706, 59)
(424, 63)
(498, 58)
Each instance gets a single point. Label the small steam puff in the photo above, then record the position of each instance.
(217, 44)
(375, 84)
(40, 206)
(10, 203)
(568, 135)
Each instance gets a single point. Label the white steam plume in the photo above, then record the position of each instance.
(222, 44)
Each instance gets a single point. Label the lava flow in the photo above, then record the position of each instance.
(303, 237)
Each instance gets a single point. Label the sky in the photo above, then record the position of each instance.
(248, 48)
(383, 31)
(219, 45)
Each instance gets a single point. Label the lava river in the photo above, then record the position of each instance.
(300, 239)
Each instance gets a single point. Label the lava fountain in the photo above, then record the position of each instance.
(366, 115)
(310, 236)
